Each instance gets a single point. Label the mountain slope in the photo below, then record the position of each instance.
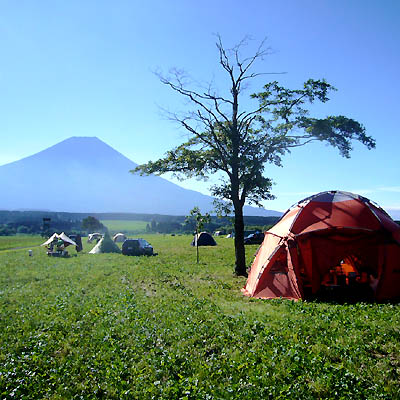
(84, 174)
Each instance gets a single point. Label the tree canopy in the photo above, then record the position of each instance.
(91, 224)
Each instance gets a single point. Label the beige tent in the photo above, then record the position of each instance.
(119, 238)
(67, 241)
(97, 249)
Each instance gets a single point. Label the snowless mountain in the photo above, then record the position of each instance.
(84, 174)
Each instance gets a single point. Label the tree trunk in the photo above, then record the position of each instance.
(240, 254)
(197, 245)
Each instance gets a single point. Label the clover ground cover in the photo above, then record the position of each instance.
(110, 326)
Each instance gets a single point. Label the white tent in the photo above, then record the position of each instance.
(119, 238)
(67, 241)
(97, 249)
(93, 236)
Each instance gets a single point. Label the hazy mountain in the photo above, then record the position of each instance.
(394, 213)
(84, 174)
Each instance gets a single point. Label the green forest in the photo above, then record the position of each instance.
(31, 222)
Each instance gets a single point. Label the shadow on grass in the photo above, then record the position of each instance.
(346, 295)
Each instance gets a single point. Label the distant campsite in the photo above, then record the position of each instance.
(31, 222)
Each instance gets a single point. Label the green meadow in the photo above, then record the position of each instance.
(129, 227)
(116, 327)
(13, 242)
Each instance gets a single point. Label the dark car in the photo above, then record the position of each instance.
(78, 240)
(254, 238)
(137, 247)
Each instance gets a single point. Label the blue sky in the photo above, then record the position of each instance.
(85, 68)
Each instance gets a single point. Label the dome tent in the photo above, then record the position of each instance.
(318, 233)
(203, 239)
(94, 236)
(119, 238)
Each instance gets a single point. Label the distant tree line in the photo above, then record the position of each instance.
(27, 226)
(224, 225)
(31, 222)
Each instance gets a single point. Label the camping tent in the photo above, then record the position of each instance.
(97, 249)
(67, 241)
(94, 236)
(105, 245)
(331, 233)
(203, 239)
(119, 238)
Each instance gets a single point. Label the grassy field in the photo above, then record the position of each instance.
(128, 227)
(116, 327)
(11, 242)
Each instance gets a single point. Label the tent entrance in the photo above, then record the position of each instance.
(347, 281)
(341, 268)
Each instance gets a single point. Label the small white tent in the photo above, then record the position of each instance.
(119, 238)
(93, 236)
(97, 249)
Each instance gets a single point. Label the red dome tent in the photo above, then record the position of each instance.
(320, 234)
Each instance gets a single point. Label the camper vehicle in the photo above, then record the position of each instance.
(254, 238)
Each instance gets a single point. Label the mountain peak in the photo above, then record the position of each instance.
(84, 174)
(82, 139)
(87, 149)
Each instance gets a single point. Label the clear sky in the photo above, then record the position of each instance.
(85, 68)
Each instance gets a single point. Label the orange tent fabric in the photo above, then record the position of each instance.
(322, 232)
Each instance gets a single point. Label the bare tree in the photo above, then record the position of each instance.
(224, 137)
